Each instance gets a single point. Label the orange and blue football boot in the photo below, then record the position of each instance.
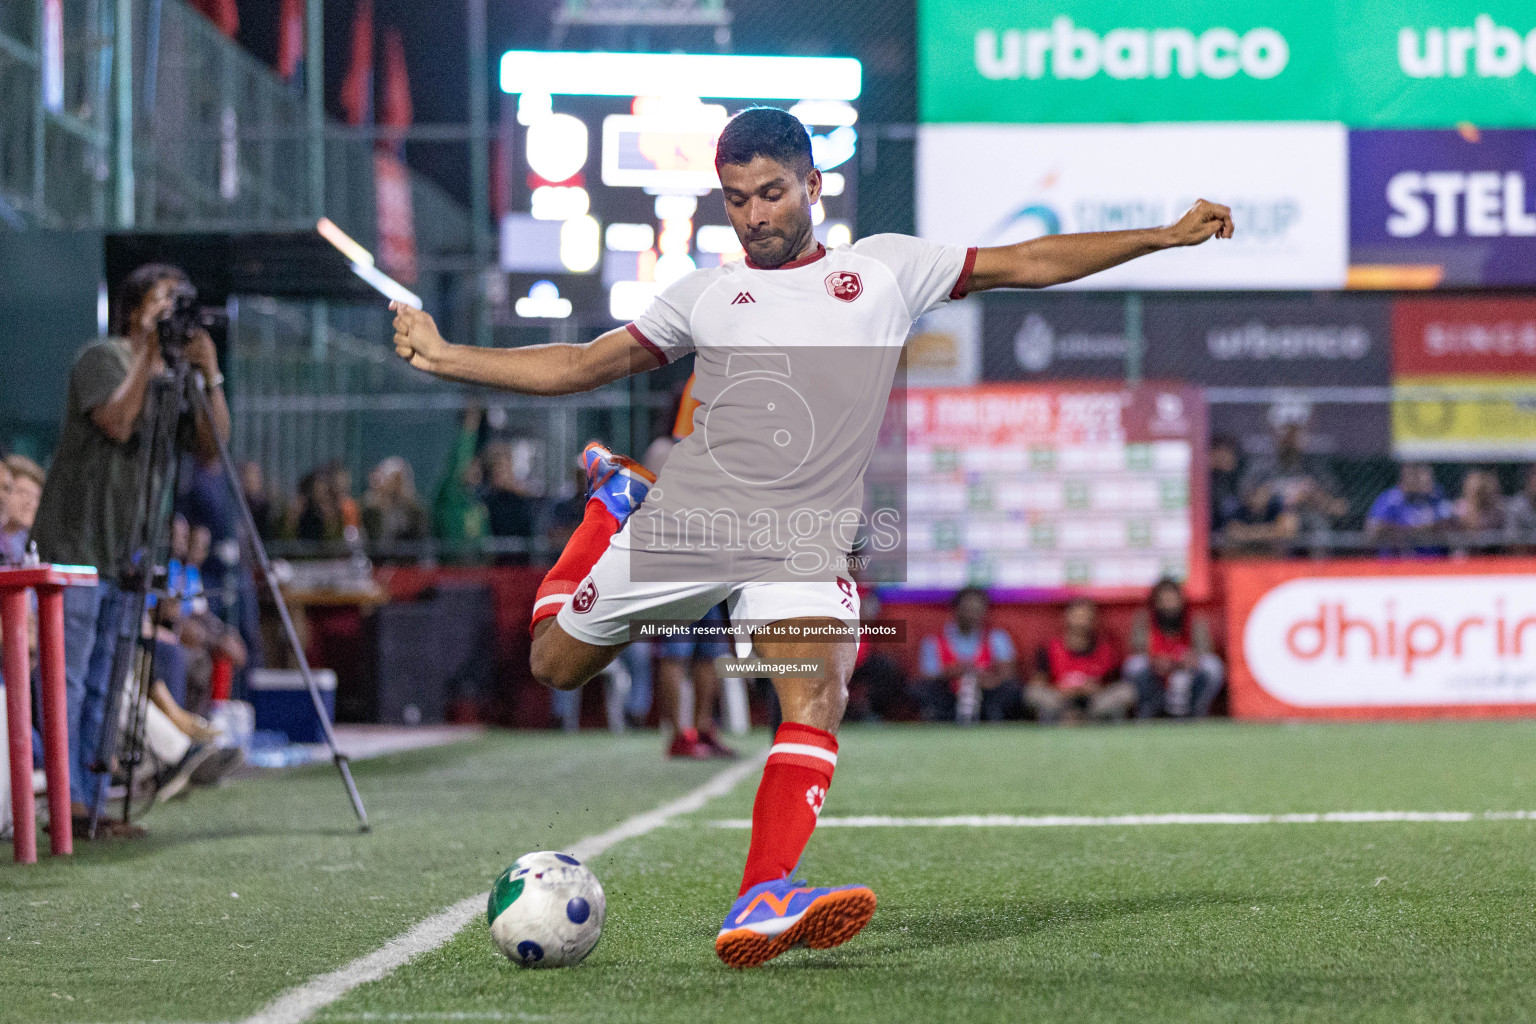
(620, 483)
(774, 916)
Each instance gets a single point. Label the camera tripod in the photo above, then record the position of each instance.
(172, 395)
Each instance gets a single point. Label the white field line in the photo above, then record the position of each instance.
(301, 1003)
(1080, 821)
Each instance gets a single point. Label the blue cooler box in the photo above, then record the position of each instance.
(282, 703)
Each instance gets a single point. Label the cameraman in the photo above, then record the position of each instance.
(96, 483)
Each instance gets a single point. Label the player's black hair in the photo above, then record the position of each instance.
(965, 592)
(139, 283)
(765, 131)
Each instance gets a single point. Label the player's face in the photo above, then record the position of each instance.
(769, 205)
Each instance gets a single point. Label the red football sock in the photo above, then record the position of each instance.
(789, 800)
(581, 553)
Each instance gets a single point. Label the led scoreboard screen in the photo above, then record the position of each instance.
(617, 194)
(1037, 490)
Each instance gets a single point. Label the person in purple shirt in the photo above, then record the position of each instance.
(1412, 514)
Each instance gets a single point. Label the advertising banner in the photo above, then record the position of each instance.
(1381, 639)
(1286, 184)
(1477, 359)
(1369, 63)
(1464, 202)
(1045, 336)
(1319, 359)
(1038, 491)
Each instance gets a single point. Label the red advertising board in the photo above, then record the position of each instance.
(1435, 337)
(1382, 639)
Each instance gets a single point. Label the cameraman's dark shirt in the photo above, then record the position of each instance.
(94, 483)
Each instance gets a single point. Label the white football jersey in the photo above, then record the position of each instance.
(793, 367)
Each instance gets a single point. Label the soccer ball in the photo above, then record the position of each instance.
(546, 910)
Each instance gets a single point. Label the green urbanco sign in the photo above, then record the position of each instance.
(1394, 63)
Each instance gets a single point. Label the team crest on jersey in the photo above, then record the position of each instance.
(585, 598)
(845, 285)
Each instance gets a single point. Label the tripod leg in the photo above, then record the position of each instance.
(232, 477)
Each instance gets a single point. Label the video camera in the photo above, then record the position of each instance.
(186, 318)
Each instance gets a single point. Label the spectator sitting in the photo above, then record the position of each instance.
(19, 509)
(877, 683)
(1077, 673)
(1226, 477)
(1520, 512)
(316, 514)
(510, 510)
(1480, 509)
(1171, 663)
(1413, 513)
(254, 487)
(968, 667)
(1303, 483)
(391, 510)
(1261, 518)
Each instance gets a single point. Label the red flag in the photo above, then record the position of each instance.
(290, 39)
(357, 88)
(223, 14)
(395, 107)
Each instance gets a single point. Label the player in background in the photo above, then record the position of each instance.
(851, 306)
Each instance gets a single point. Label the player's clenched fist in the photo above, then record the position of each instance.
(416, 338)
(1201, 221)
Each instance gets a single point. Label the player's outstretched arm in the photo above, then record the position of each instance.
(534, 370)
(1056, 259)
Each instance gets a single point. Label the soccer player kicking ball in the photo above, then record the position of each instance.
(796, 348)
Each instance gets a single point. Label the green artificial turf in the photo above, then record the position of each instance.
(1399, 922)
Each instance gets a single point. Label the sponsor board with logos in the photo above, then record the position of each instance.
(1321, 360)
(1464, 370)
(1461, 201)
(1045, 336)
(1286, 183)
(1425, 63)
(1035, 491)
(1376, 638)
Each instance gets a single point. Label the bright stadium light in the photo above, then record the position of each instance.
(557, 146)
(629, 237)
(543, 302)
(565, 73)
(559, 202)
(832, 184)
(832, 113)
(628, 299)
(581, 244)
(717, 238)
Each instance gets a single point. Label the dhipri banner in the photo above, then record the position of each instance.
(1464, 202)
(1379, 639)
(1286, 184)
(1435, 63)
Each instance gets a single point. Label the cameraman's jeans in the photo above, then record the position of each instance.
(92, 616)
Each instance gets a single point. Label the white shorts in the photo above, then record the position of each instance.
(608, 601)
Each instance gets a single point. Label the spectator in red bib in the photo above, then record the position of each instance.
(1172, 666)
(1077, 674)
(969, 667)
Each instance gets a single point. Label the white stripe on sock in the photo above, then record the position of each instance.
(804, 748)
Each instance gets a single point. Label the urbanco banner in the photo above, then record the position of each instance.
(1380, 639)
(1286, 184)
(1367, 63)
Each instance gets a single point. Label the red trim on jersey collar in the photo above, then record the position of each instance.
(821, 251)
(962, 286)
(646, 343)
